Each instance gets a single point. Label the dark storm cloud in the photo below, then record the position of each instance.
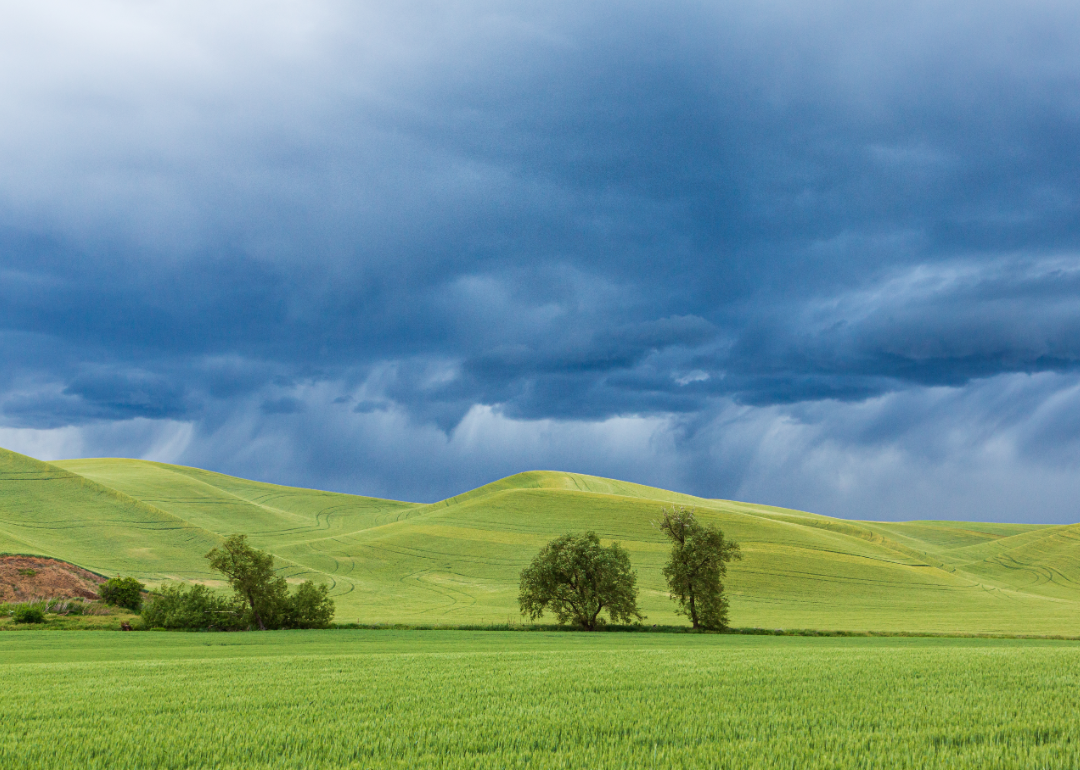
(940, 325)
(99, 395)
(283, 405)
(561, 211)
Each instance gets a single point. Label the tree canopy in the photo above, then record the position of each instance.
(698, 564)
(577, 578)
(251, 574)
(265, 593)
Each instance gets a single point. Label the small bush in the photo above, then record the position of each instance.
(309, 607)
(122, 592)
(193, 608)
(28, 572)
(25, 613)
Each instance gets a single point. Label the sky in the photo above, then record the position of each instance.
(823, 255)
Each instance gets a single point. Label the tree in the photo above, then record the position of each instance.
(265, 594)
(699, 556)
(122, 592)
(251, 574)
(577, 578)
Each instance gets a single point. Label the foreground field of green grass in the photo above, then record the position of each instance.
(509, 700)
(457, 561)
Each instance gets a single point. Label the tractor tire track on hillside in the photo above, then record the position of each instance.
(832, 578)
(428, 588)
(443, 556)
(1043, 574)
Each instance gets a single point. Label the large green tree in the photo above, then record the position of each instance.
(577, 578)
(251, 574)
(266, 594)
(698, 564)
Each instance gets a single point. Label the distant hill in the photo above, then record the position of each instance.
(458, 560)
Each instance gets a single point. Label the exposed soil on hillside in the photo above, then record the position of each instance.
(32, 577)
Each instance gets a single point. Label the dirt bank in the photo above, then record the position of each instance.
(33, 577)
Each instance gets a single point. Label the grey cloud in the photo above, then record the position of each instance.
(98, 395)
(609, 349)
(128, 394)
(954, 453)
(942, 324)
(574, 212)
(283, 405)
(368, 406)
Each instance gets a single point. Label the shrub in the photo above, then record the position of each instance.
(28, 572)
(25, 613)
(122, 592)
(310, 606)
(193, 608)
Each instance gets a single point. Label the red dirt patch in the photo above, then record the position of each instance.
(23, 578)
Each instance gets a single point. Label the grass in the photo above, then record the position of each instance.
(485, 700)
(66, 614)
(104, 622)
(457, 562)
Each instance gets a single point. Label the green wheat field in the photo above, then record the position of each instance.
(457, 699)
(457, 561)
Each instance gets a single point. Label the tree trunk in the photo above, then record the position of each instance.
(255, 612)
(693, 606)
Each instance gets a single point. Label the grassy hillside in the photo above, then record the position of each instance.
(46, 510)
(457, 561)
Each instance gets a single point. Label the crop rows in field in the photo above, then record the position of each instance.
(431, 700)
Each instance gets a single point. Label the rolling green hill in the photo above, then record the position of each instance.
(457, 561)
